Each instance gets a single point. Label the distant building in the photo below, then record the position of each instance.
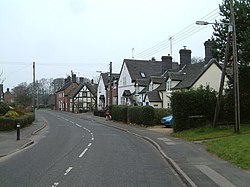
(8, 97)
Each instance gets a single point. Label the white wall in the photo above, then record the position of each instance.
(128, 84)
(211, 77)
(100, 91)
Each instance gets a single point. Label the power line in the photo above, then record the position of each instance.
(181, 35)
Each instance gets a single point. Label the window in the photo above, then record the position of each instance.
(169, 85)
(143, 75)
(124, 81)
(169, 105)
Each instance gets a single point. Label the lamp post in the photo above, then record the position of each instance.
(231, 28)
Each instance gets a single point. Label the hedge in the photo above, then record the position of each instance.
(7, 123)
(193, 108)
(119, 113)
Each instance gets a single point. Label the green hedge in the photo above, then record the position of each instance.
(193, 108)
(159, 113)
(119, 113)
(7, 124)
(141, 115)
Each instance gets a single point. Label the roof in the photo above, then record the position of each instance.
(192, 72)
(153, 96)
(65, 86)
(142, 82)
(139, 69)
(106, 78)
(126, 93)
(91, 88)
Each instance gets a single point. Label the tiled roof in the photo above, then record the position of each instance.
(142, 82)
(193, 72)
(138, 68)
(154, 96)
(105, 77)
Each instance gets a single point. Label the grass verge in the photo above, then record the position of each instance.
(223, 142)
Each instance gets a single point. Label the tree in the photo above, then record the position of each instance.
(195, 60)
(23, 95)
(242, 22)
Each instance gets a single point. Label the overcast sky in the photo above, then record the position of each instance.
(85, 35)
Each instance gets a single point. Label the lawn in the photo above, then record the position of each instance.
(223, 142)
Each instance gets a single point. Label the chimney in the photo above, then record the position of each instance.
(81, 80)
(208, 50)
(166, 62)
(74, 78)
(185, 57)
(1, 92)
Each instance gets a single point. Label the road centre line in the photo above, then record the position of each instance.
(68, 170)
(55, 184)
(81, 155)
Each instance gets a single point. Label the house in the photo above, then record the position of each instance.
(133, 72)
(8, 97)
(83, 98)
(103, 90)
(61, 96)
(1, 93)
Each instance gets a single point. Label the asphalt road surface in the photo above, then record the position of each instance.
(77, 152)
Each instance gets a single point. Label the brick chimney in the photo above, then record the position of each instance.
(1, 92)
(185, 57)
(73, 78)
(208, 50)
(166, 62)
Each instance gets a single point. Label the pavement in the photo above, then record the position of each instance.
(8, 140)
(190, 160)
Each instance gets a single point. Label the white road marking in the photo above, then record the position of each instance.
(81, 155)
(55, 184)
(167, 141)
(214, 176)
(92, 138)
(68, 170)
(89, 144)
(78, 125)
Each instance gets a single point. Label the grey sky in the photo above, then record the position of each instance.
(85, 35)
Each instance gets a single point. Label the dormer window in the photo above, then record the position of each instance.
(143, 75)
(169, 85)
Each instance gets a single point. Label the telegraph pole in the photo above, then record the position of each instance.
(235, 71)
(110, 84)
(33, 88)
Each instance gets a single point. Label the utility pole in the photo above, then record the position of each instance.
(223, 73)
(110, 84)
(171, 44)
(33, 88)
(235, 71)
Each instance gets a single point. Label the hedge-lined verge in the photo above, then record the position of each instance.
(8, 123)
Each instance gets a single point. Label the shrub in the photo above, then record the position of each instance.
(7, 123)
(160, 113)
(119, 113)
(188, 105)
(11, 114)
(4, 108)
(141, 115)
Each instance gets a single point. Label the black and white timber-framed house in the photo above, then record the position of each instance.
(83, 99)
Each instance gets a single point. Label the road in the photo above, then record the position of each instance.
(77, 152)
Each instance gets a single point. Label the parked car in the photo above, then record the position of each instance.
(168, 121)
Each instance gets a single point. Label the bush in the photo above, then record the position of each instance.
(160, 113)
(141, 115)
(11, 114)
(193, 108)
(119, 113)
(7, 123)
(4, 108)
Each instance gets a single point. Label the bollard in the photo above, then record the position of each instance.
(18, 131)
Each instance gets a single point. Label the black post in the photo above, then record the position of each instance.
(18, 131)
